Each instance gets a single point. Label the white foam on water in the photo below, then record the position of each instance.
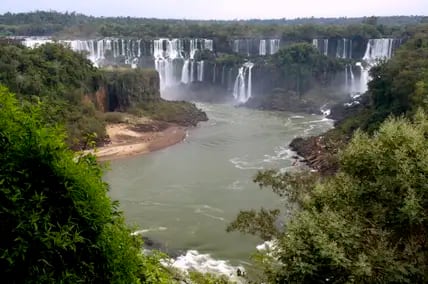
(204, 263)
(239, 163)
(155, 229)
(235, 186)
(281, 153)
(267, 245)
(209, 211)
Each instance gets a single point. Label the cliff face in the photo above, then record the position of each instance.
(129, 87)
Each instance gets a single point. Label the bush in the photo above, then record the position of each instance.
(58, 224)
(366, 224)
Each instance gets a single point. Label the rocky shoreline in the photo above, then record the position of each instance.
(315, 154)
(319, 152)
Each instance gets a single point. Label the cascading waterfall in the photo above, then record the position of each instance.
(200, 68)
(315, 43)
(344, 48)
(262, 47)
(236, 46)
(350, 84)
(192, 71)
(322, 48)
(174, 63)
(274, 46)
(325, 47)
(170, 53)
(252, 47)
(185, 76)
(242, 90)
(364, 77)
(380, 48)
(377, 49)
(177, 62)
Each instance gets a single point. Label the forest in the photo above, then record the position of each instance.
(74, 25)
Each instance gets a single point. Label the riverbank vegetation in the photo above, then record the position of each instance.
(57, 223)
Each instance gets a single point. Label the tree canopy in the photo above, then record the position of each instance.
(57, 223)
(366, 224)
(64, 80)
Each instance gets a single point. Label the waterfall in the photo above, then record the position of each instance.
(315, 43)
(139, 48)
(185, 76)
(236, 46)
(250, 81)
(172, 54)
(274, 46)
(326, 46)
(350, 85)
(338, 55)
(239, 87)
(192, 71)
(344, 49)
(167, 54)
(262, 47)
(380, 48)
(352, 80)
(323, 48)
(377, 49)
(364, 78)
(200, 70)
(242, 89)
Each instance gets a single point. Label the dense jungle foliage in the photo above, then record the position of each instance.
(60, 78)
(57, 223)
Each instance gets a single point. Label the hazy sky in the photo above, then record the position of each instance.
(224, 9)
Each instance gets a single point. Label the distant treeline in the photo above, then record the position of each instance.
(51, 23)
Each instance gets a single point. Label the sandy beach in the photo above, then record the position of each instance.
(129, 140)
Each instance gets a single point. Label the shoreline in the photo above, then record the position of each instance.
(128, 140)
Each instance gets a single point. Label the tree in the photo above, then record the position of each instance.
(366, 224)
(64, 80)
(57, 224)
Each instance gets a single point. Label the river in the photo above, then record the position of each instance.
(185, 195)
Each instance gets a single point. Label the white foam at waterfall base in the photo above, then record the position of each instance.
(325, 110)
(267, 246)
(154, 229)
(204, 263)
